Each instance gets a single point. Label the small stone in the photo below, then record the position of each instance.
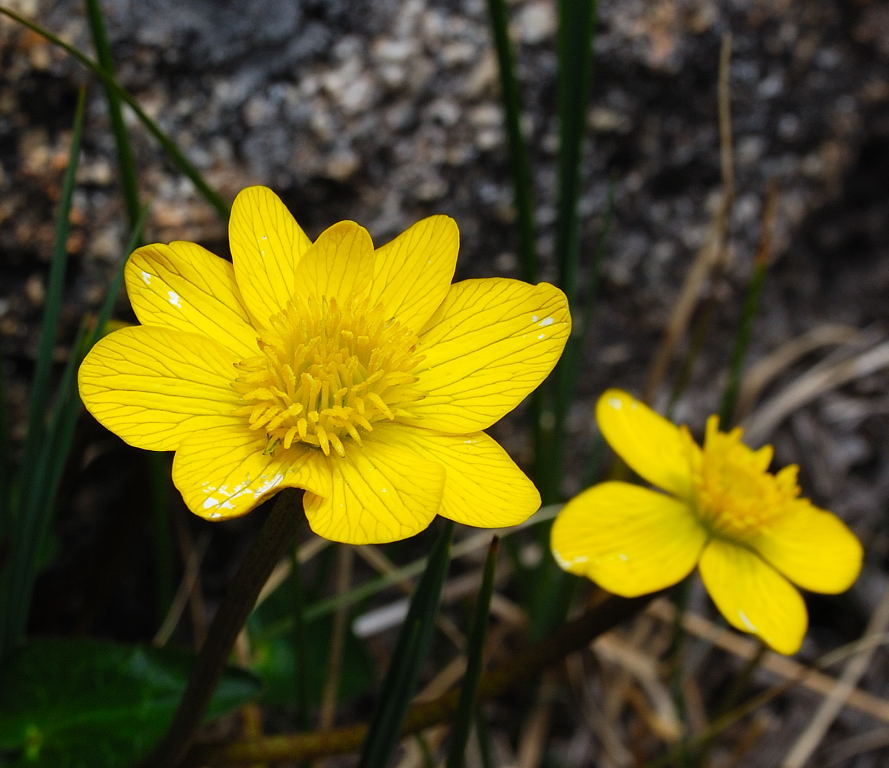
(35, 291)
(258, 111)
(536, 22)
(444, 110)
(431, 188)
(458, 52)
(393, 51)
(358, 95)
(342, 164)
(485, 115)
(605, 120)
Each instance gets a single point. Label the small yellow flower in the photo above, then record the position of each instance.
(362, 376)
(746, 529)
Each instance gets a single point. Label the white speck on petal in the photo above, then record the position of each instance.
(210, 501)
(214, 515)
(534, 318)
(146, 278)
(175, 300)
(541, 336)
(615, 403)
(269, 483)
(564, 563)
(546, 321)
(746, 621)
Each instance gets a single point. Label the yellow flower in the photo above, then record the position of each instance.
(747, 530)
(362, 376)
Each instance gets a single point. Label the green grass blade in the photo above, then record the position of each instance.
(520, 165)
(520, 171)
(167, 144)
(475, 652)
(742, 342)
(125, 159)
(574, 43)
(571, 359)
(404, 668)
(46, 467)
(575, 56)
(5, 459)
(22, 527)
(116, 284)
(55, 285)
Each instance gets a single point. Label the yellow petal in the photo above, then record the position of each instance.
(629, 540)
(753, 596)
(339, 264)
(413, 272)
(490, 343)
(266, 245)
(379, 492)
(482, 486)
(154, 386)
(223, 472)
(185, 287)
(652, 446)
(812, 548)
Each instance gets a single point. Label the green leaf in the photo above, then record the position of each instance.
(95, 703)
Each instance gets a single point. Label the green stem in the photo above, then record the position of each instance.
(742, 342)
(273, 542)
(125, 159)
(520, 165)
(682, 595)
(475, 652)
(574, 43)
(410, 653)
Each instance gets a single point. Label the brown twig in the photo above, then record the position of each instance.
(273, 542)
(570, 637)
(713, 256)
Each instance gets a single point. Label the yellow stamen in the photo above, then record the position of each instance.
(736, 496)
(325, 373)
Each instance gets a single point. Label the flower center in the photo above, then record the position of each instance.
(736, 495)
(326, 373)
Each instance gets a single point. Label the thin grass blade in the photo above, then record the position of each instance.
(404, 668)
(22, 526)
(749, 312)
(475, 653)
(520, 166)
(50, 324)
(126, 161)
(5, 459)
(46, 468)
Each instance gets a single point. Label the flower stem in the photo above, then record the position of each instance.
(274, 540)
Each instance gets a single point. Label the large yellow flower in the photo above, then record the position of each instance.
(748, 531)
(362, 376)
